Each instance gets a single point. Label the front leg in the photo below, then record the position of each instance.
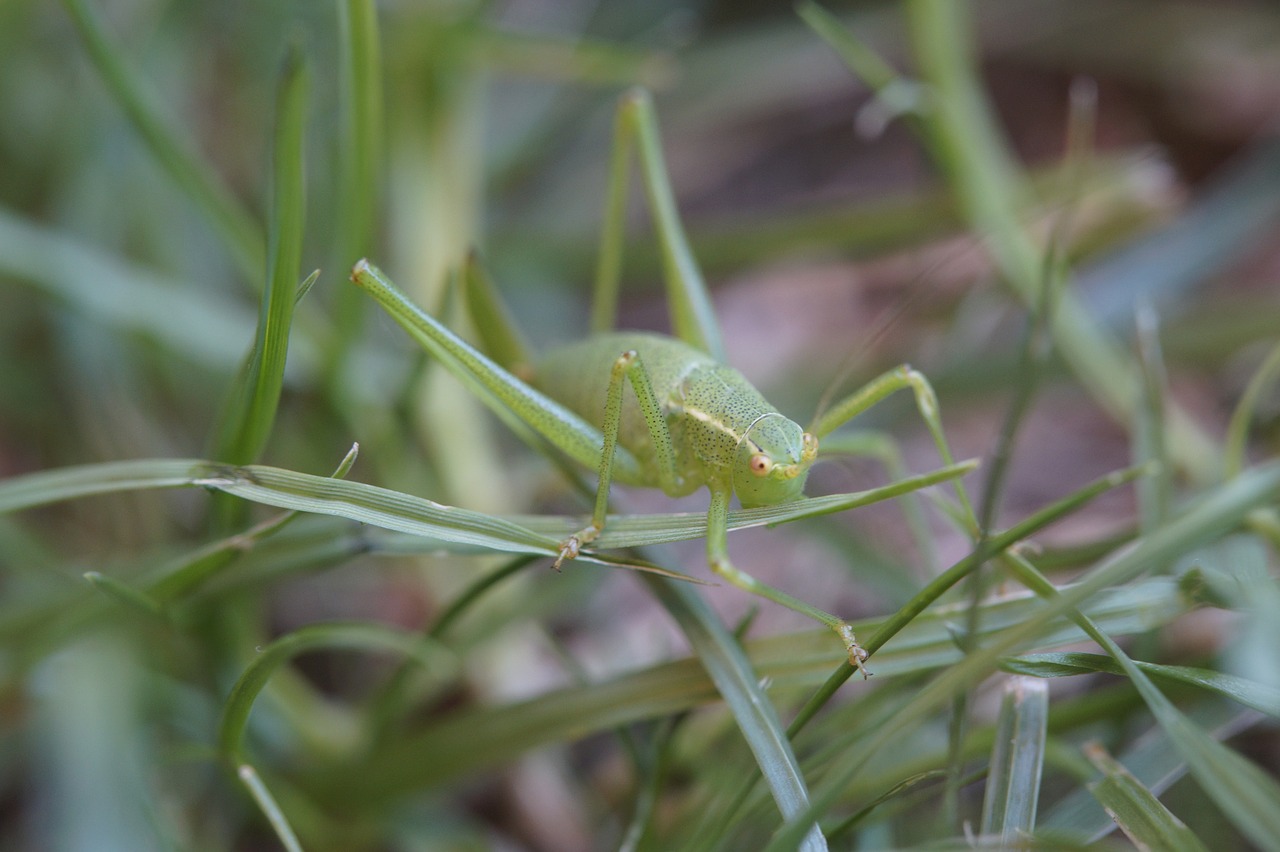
(627, 366)
(718, 557)
(899, 378)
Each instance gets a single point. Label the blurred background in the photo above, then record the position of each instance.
(830, 233)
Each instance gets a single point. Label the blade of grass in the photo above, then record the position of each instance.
(1259, 696)
(175, 155)
(393, 510)
(247, 422)
(1137, 811)
(365, 637)
(267, 804)
(360, 163)
(1153, 761)
(1238, 428)
(1013, 786)
(725, 664)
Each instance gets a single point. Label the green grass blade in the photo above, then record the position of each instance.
(1136, 810)
(1153, 761)
(724, 662)
(247, 422)
(364, 637)
(1013, 785)
(360, 161)
(175, 155)
(129, 596)
(69, 483)
(270, 809)
(1245, 410)
(660, 528)
(1259, 696)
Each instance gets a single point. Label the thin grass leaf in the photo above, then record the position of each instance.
(129, 596)
(211, 559)
(1150, 444)
(1153, 761)
(1013, 785)
(624, 531)
(267, 804)
(360, 162)
(1140, 815)
(725, 663)
(953, 575)
(364, 637)
(174, 154)
(247, 423)
(1233, 451)
(1259, 696)
(69, 483)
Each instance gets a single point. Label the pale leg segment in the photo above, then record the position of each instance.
(718, 557)
(627, 366)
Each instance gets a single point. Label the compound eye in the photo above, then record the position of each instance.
(761, 464)
(810, 449)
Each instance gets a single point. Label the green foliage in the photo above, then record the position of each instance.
(206, 642)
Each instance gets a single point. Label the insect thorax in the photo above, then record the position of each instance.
(708, 406)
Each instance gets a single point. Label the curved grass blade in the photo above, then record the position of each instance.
(444, 527)
(1153, 761)
(69, 483)
(366, 637)
(176, 156)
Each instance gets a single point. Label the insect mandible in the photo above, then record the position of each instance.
(691, 420)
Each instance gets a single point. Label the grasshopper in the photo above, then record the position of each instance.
(691, 421)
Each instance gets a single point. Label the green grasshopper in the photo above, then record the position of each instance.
(691, 421)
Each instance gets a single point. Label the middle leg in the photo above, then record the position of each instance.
(718, 557)
(628, 366)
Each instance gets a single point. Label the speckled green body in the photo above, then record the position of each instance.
(716, 418)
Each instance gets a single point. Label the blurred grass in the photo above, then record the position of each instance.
(154, 197)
